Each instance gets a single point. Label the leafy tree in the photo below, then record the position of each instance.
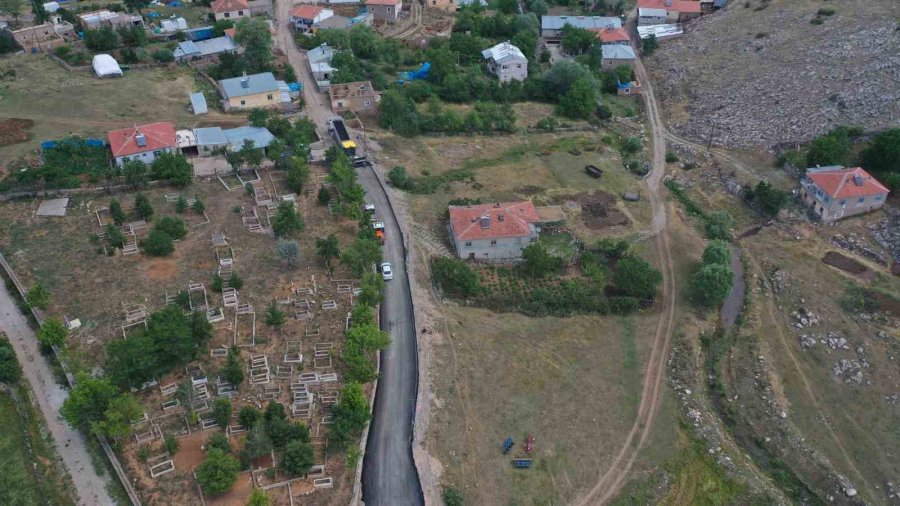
(274, 315)
(884, 153)
(171, 444)
(563, 74)
(508, 6)
(716, 252)
(175, 227)
(274, 410)
(636, 277)
(133, 36)
(769, 199)
(631, 145)
(135, 173)
(324, 196)
(198, 206)
(248, 416)
(158, 243)
(132, 362)
(361, 254)
(399, 178)
(368, 337)
(121, 411)
(87, 401)
(163, 56)
(371, 287)
(830, 149)
(537, 262)
(175, 336)
(136, 5)
(580, 101)
(173, 166)
(612, 249)
(218, 472)
(221, 25)
(38, 297)
(719, 225)
(253, 35)
(258, 117)
(40, 13)
(576, 40)
(539, 7)
(181, 205)
(142, 206)
(711, 284)
(398, 112)
(104, 39)
(297, 173)
(287, 221)
(258, 442)
(221, 412)
(283, 432)
(116, 212)
(649, 45)
(252, 155)
(288, 251)
(328, 248)
(52, 333)
(259, 498)
(297, 458)
(350, 414)
(219, 441)
(455, 277)
(363, 314)
(201, 329)
(10, 371)
(233, 372)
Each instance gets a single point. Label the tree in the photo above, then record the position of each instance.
(719, 225)
(40, 13)
(282, 432)
(829, 149)
(221, 412)
(181, 205)
(131, 362)
(274, 315)
(323, 196)
(508, 6)
(136, 5)
(288, 251)
(38, 297)
(170, 444)
(537, 262)
(233, 372)
(576, 40)
(142, 206)
(580, 101)
(87, 401)
(711, 284)
(371, 287)
(884, 153)
(219, 441)
(350, 414)
(248, 416)
(116, 212)
(769, 199)
(399, 178)
(362, 314)
(258, 441)
(198, 206)
(235, 160)
(235, 281)
(328, 248)
(297, 173)
(563, 74)
(368, 337)
(253, 35)
(636, 278)
(175, 227)
(455, 277)
(104, 39)
(258, 117)
(52, 333)
(218, 472)
(135, 173)
(163, 56)
(158, 243)
(287, 221)
(297, 458)
(716, 252)
(259, 498)
(398, 112)
(173, 166)
(121, 411)
(252, 155)
(539, 7)
(201, 329)
(10, 371)
(175, 336)
(221, 25)
(361, 254)
(649, 45)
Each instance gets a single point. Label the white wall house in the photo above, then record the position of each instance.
(493, 231)
(507, 62)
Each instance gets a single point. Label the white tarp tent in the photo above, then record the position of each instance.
(106, 66)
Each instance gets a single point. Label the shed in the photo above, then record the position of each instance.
(106, 66)
(51, 7)
(198, 103)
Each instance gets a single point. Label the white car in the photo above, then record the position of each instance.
(369, 208)
(386, 272)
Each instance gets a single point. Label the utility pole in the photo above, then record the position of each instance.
(712, 133)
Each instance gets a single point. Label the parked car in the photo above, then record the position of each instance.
(386, 272)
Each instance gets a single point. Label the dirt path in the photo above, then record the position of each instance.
(611, 481)
(70, 444)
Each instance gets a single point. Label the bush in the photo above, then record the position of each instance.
(719, 225)
(38, 297)
(451, 496)
(631, 145)
(171, 444)
(324, 196)
(10, 372)
(142, 206)
(116, 212)
(163, 56)
(537, 262)
(174, 227)
(399, 178)
(218, 472)
(52, 333)
(219, 441)
(716, 252)
(114, 237)
(769, 199)
(671, 157)
(455, 277)
(158, 243)
(222, 412)
(711, 284)
(297, 458)
(637, 278)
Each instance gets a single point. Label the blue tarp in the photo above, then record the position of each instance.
(295, 86)
(195, 34)
(413, 75)
(94, 143)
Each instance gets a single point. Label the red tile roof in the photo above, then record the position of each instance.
(610, 35)
(229, 5)
(158, 136)
(306, 11)
(509, 219)
(382, 2)
(839, 183)
(688, 6)
(231, 32)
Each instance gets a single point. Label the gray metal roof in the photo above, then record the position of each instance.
(256, 83)
(503, 52)
(198, 103)
(338, 22)
(321, 53)
(617, 52)
(261, 137)
(587, 22)
(210, 136)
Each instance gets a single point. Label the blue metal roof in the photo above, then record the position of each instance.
(210, 136)
(261, 137)
(256, 83)
(198, 103)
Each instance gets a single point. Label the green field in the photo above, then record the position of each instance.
(18, 485)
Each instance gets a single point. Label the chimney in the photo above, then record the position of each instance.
(140, 140)
(245, 81)
(486, 221)
(500, 217)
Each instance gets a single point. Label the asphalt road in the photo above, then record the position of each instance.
(389, 473)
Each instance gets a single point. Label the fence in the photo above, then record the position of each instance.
(104, 443)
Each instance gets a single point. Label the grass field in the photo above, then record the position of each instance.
(65, 103)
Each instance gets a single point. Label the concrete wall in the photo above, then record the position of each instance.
(147, 157)
(506, 248)
(385, 12)
(514, 70)
(257, 100)
(232, 15)
(836, 209)
(611, 63)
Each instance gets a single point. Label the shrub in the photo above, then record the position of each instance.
(455, 277)
(222, 412)
(174, 227)
(631, 145)
(171, 444)
(637, 278)
(52, 333)
(452, 497)
(158, 243)
(114, 237)
(220, 441)
(399, 178)
(163, 56)
(719, 225)
(297, 458)
(218, 472)
(537, 262)
(142, 206)
(671, 157)
(324, 196)
(116, 212)
(10, 372)
(38, 297)
(711, 284)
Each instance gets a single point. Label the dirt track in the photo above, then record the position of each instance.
(611, 481)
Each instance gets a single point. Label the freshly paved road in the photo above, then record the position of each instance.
(389, 473)
(70, 444)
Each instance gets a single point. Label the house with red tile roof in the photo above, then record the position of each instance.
(230, 9)
(304, 17)
(677, 11)
(836, 192)
(612, 35)
(142, 142)
(493, 231)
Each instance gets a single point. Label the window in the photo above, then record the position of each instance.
(861, 200)
(493, 242)
(878, 197)
(240, 13)
(367, 103)
(504, 67)
(243, 102)
(157, 153)
(227, 15)
(269, 96)
(843, 202)
(519, 66)
(468, 244)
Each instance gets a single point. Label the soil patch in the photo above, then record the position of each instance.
(162, 269)
(190, 451)
(598, 210)
(845, 263)
(14, 131)
(237, 495)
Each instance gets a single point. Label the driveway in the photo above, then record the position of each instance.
(70, 444)
(389, 473)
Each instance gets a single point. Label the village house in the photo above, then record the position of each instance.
(385, 10)
(612, 36)
(189, 50)
(359, 97)
(212, 140)
(551, 26)
(44, 37)
(650, 12)
(835, 192)
(507, 62)
(493, 231)
(615, 55)
(261, 8)
(143, 143)
(230, 9)
(305, 17)
(319, 60)
(98, 19)
(247, 92)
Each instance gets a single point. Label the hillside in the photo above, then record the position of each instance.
(761, 73)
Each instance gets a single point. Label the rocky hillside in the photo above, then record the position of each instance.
(761, 73)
